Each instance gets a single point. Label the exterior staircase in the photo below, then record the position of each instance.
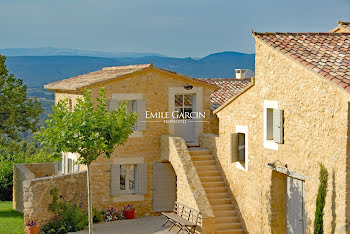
(226, 217)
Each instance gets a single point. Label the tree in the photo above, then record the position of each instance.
(89, 130)
(17, 112)
(321, 200)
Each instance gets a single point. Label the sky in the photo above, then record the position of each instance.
(177, 28)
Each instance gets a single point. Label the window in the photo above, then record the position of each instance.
(269, 130)
(273, 125)
(239, 147)
(68, 164)
(131, 107)
(127, 178)
(184, 105)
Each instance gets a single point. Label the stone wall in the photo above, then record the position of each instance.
(41, 169)
(153, 85)
(189, 187)
(20, 174)
(315, 131)
(36, 192)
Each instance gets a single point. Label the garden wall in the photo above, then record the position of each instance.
(41, 169)
(36, 192)
(28, 171)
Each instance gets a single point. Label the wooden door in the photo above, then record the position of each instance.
(295, 215)
(164, 187)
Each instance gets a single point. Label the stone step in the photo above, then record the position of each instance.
(204, 162)
(220, 201)
(199, 152)
(224, 213)
(216, 184)
(210, 178)
(225, 226)
(215, 190)
(202, 157)
(208, 173)
(223, 207)
(233, 219)
(213, 196)
(207, 168)
(230, 231)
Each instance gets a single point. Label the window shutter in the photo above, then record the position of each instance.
(115, 179)
(234, 147)
(141, 110)
(241, 146)
(112, 104)
(142, 183)
(278, 126)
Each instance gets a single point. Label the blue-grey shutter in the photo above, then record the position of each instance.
(141, 110)
(112, 104)
(278, 126)
(115, 179)
(142, 175)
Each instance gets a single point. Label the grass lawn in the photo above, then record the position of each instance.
(11, 221)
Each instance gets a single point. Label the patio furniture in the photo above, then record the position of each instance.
(185, 217)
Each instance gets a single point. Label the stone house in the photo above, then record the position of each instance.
(342, 27)
(174, 112)
(274, 134)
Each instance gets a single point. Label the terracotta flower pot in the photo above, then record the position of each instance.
(129, 214)
(32, 229)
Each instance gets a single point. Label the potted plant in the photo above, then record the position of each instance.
(129, 211)
(32, 227)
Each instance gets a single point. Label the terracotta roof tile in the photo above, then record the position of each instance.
(327, 54)
(229, 87)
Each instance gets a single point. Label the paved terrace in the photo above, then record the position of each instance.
(144, 225)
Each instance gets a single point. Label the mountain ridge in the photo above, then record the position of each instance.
(39, 70)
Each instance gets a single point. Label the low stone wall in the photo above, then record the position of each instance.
(41, 169)
(28, 171)
(36, 192)
(189, 187)
(20, 174)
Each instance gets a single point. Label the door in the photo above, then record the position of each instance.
(164, 187)
(185, 125)
(295, 215)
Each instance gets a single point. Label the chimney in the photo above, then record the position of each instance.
(240, 73)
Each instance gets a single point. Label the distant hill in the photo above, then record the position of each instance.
(39, 70)
(53, 51)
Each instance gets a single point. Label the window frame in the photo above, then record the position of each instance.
(243, 130)
(127, 176)
(269, 144)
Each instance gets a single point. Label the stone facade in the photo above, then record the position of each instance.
(36, 192)
(316, 119)
(153, 86)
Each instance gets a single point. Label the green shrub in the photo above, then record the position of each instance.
(321, 200)
(54, 227)
(70, 217)
(19, 152)
(97, 215)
